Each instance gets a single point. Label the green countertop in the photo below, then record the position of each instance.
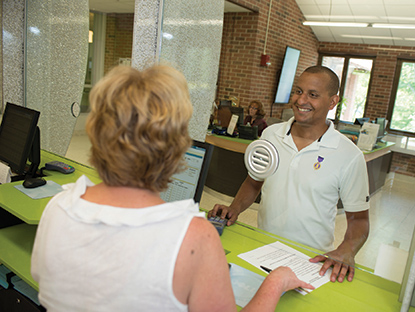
(367, 292)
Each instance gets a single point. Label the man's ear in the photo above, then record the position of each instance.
(333, 101)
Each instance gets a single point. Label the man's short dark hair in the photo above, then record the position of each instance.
(334, 83)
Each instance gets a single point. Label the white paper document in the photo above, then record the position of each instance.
(5, 174)
(277, 254)
(368, 136)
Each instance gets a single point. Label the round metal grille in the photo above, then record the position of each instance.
(261, 159)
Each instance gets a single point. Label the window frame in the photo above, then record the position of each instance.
(392, 100)
(343, 79)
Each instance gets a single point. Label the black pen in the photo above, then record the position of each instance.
(265, 269)
(268, 270)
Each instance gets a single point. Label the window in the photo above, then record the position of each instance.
(401, 114)
(354, 75)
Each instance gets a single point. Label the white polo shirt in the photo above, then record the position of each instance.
(299, 201)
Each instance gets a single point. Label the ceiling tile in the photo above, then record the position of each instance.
(308, 9)
(371, 11)
(401, 10)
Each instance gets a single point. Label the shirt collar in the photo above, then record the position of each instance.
(329, 138)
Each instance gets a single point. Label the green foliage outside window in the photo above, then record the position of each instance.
(403, 117)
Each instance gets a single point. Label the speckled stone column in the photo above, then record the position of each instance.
(186, 35)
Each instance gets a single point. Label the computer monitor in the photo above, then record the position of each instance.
(248, 132)
(382, 125)
(361, 121)
(189, 183)
(239, 111)
(20, 140)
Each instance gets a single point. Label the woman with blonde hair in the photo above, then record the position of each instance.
(116, 245)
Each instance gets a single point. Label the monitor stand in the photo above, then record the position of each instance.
(19, 177)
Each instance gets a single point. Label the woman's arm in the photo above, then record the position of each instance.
(202, 279)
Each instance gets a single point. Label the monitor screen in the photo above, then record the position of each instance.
(382, 125)
(361, 121)
(189, 183)
(286, 79)
(239, 111)
(17, 131)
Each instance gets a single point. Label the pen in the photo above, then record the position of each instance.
(268, 270)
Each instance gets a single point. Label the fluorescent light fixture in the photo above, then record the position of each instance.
(397, 18)
(91, 36)
(394, 26)
(372, 37)
(335, 24)
(341, 17)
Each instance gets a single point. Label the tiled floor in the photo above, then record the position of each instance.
(392, 212)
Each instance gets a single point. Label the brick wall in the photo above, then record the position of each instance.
(383, 73)
(119, 38)
(243, 43)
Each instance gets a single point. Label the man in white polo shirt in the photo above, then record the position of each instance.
(318, 165)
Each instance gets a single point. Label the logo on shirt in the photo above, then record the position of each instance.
(317, 165)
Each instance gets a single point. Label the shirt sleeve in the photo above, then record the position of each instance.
(354, 189)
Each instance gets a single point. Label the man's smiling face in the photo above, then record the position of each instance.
(311, 100)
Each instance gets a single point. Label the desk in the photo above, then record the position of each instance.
(366, 293)
(16, 241)
(378, 163)
(227, 169)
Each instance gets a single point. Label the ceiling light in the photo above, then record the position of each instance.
(335, 24)
(341, 17)
(395, 26)
(372, 37)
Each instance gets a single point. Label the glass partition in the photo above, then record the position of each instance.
(191, 34)
(55, 65)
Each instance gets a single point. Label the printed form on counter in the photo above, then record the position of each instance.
(277, 254)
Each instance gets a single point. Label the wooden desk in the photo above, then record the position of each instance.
(227, 169)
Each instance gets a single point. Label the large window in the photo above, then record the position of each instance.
(401, 114)
(354, 75)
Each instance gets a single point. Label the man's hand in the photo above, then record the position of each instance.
(342, 265)
(342, 259)
(224, 212)
(246, 195)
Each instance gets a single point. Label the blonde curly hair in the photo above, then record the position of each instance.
(138, 126)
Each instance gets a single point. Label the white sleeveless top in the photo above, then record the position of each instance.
(91, 257)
